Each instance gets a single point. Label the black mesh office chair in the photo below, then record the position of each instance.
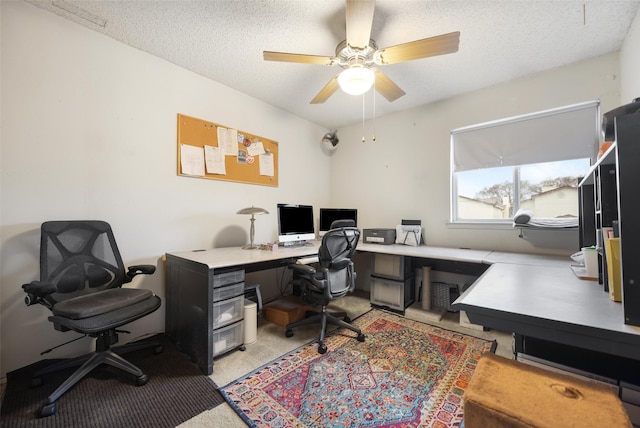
(81, 274)
(332, 278)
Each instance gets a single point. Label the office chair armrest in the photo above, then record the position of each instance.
(302, 269)
(138, 270)
(37, 291)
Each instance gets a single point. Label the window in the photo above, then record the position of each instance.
(533, 161)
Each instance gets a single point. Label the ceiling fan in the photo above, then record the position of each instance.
(359, 55)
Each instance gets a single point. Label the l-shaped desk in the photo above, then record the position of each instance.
(530, 295)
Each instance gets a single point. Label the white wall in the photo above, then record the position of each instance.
(88, 131)
(404, 174)
(630, 63)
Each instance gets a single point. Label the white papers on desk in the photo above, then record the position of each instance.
(214, 160)
(191, 160)
(228, 141)
(266, 164)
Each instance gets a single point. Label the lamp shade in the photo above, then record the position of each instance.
(253, 210)
(356, 80)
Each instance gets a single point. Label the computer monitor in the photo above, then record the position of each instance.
(329, 215)
(295, 224)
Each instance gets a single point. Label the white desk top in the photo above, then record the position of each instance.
(428, 252)
(552, 293)
(527, 259)
(235, 256)
(466, 255)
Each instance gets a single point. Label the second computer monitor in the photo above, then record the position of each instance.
(329, 215)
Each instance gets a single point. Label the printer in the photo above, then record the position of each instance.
(379, 236)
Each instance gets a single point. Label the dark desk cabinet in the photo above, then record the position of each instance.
(609, 195)
(205, 309)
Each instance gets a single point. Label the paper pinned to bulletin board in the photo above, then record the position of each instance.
(213, 151)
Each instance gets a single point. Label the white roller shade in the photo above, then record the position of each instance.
(564, 133)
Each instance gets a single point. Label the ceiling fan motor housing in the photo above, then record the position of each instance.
(346, 56)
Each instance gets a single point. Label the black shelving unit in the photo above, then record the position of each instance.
(611, 191)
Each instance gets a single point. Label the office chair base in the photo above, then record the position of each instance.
(109, 356)
(325, 318)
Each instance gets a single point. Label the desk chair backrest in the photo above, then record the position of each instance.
(79, 257)
(334, 256)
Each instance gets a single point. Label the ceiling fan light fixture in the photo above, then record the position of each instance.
(356, 80)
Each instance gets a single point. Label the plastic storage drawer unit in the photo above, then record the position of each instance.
(228, 338)
(222, 279)
(222, 293)
(393, 294)
(228, 311)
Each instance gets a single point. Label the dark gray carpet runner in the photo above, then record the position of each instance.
(177, 391)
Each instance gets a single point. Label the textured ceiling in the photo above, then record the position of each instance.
(223, 40)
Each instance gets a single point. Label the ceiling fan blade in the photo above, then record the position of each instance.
(329, 89)
(387, 88)
(432, 46)
(359, 21)
(300, 58)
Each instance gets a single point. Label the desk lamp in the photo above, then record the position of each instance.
(252, 210)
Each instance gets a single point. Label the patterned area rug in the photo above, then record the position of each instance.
(405, 374)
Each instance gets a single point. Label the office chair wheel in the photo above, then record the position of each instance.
(361, 337)
(288, 333)
(47, 410)
(36, 382)
(142, 379)
(322, 348)
(242, 348)
(347, 320)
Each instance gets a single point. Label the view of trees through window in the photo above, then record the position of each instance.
(549, 190)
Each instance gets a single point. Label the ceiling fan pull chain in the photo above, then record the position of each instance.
(374, 110)
(363, 118)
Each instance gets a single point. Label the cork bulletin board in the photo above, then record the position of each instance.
(216, 152)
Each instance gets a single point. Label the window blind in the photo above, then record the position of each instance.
(564, 133)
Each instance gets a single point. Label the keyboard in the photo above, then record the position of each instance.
(307, 260)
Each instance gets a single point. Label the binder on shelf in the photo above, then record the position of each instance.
(612, 252)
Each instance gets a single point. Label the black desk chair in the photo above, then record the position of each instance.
(81, 274)
(332, 278)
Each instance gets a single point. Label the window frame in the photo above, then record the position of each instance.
(588, 150)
